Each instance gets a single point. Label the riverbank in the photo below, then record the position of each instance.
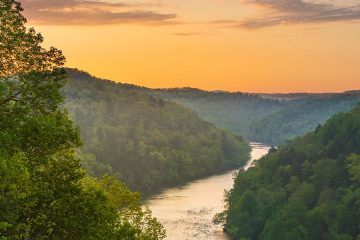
(186, 212)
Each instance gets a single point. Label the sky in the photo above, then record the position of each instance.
(234, 45)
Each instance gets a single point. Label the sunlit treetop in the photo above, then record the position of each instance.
(21, 50)
(30, 75)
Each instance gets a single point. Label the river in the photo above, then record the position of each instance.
(186, 212)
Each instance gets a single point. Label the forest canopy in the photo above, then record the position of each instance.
(143, 140)
(307, 189)
(300, 117)
(44, 193)
(266, 118)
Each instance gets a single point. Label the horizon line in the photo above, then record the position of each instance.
(216, 90)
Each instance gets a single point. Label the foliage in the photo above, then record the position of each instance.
(307, 189)
(144, 141)
(266, 118)
(300, 117)
(232, 111)
(44, 193)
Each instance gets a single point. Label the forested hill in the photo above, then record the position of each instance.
(232, 111)
(269, 118)
(143, 140)
(307, 189)
(300, 116)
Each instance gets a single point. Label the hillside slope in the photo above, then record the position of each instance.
(300, 117)
(232, 111)
(145, 141)
(268, 118)
(307, 189)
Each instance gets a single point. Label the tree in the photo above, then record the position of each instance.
(354, 167)
(14, 189)
(44, 193)
(147, 146)
(321, 197)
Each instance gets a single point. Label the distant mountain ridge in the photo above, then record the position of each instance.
(296, 96)
(74, 72)
(269, 118)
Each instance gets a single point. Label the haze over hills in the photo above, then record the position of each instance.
(232, 111)
(301, 116)
(145, 141)
(269, 118)
(296, 96)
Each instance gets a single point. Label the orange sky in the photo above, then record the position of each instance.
(235, 45)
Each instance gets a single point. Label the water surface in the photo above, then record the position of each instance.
(186, 212)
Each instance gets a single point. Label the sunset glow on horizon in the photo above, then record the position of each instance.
(235, 45)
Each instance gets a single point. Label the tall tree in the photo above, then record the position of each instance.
(44, 193)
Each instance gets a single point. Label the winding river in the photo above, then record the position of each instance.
(186, 212)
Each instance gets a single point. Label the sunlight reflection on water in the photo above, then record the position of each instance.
(186, 212)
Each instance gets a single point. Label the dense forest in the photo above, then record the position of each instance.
(300, 116)
(308, 188)
(268, 118)
(232, 111)
(44, 193)
(143, 140)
